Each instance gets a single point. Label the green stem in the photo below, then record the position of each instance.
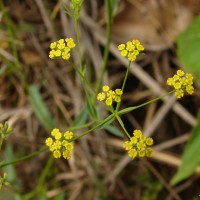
(40, 184)
(126, 110)
(110, 117)
(83, 126)
(126, 75)
(106, 50)
(24, 157)
(82, 76)
(1, 142)
(122, 125)
(125, 79)
(78, 44)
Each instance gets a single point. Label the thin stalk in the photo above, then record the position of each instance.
(24, 157)
(83, 126)
(97, 126)
(126, 110)
(106, 50)
(78, 44)
(125, 79)
(1, 142)
(38, 188)
(82, 76)
(122, 125)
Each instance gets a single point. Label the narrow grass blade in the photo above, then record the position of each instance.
(191, 158)
(40, 108)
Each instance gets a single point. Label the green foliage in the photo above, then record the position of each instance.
(188, 44)
(114, 131)
(81, 118)
(191, 158)
(5, 130)
(40, 108)
(91, 107)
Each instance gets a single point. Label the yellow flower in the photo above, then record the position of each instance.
(101, 96)
(142, 152)
(61, 41)
(59, 144)
(180, 73)
(109, 101)
(138, 145)
(182, 83)
(134, 140)
(49, 141)
(57, 53)
(149, 141)
(132, 153)
(137, 133)
(121, 47)
(68, 135)
(53, 45)
(129, 46)
(55, 131)
(69, 146)
(71, 44)
(124, 53)
(61, 48)
(56, 154)
(131, 49)
(179, 94)
(190, 89)
(131, 56)
(177, 85)
(66, 55)
(118, 92)
(170, 81)
(106, 88)
(117, 99)
(52, 54)
(127, 145)
(109, 96)
(58, 135)
(66, 154)
(141, 145)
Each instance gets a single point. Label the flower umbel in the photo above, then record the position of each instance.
(60, 144)
(131, 49)
(181, 82)
(61, 48)
(139, 145)
(109, 96)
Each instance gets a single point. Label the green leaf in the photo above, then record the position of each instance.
(190, 158)
(81, 118)
(91, 108)
(4, 69)
(114, 130)
(188, 48)
(40, 108)
(114, 6)
(108, 121)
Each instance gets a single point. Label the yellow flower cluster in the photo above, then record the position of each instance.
(59, 143)
(61, 48)
(139, 145)
(108, 96)
(131, 49)
(181, 82)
